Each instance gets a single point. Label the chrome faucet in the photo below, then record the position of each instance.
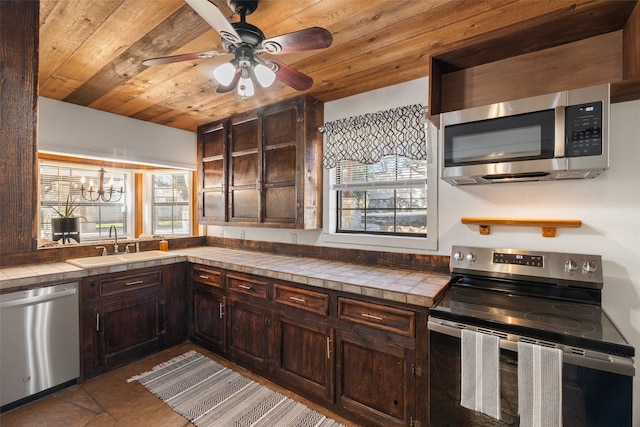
(115, 244)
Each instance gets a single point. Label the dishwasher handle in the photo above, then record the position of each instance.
(36, 299)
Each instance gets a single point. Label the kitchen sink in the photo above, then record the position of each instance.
(102, 261)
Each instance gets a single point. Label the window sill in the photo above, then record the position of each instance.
(376, 242)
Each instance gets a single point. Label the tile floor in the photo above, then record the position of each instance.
(109, 400)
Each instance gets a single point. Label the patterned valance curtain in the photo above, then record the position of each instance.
(367, 138)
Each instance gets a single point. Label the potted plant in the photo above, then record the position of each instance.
(67, 225)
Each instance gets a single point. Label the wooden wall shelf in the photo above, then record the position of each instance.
(548, 225)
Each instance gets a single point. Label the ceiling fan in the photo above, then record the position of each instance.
(247, 43)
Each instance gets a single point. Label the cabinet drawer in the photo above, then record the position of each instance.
(390, 319)
(314, 302)
(207, 276)
(246, 285)
(129, 283)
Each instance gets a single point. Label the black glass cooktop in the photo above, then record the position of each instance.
(570, 323)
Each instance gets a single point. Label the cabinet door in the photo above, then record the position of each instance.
(212, 146)
(209, 316)
(304, 356)
(375, 379)
(244, 170)
(282, 129)
(263, 167)
(248, 333)
(130, 328)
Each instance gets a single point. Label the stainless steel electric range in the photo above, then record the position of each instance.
(544, 298)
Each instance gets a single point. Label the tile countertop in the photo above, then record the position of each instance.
(404, 286)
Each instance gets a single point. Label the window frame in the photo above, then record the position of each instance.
(137, 192)
(128, 219)
(392, 178)
(331, 236)
(152, 203)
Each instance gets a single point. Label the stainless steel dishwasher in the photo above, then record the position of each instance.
(39, 340)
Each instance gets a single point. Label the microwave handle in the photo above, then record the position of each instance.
(560, 126)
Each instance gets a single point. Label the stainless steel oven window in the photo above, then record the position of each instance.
(591, 397)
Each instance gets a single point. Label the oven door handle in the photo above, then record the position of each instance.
(456, 331)
(570, 355)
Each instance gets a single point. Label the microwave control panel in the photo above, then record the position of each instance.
(583, 130)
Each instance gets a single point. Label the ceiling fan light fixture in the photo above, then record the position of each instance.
(245, 87)
(224, 73)
(264, 75)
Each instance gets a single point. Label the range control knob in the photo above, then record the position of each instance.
(570, 265)
(471, 257)
(458, 256)
(589, 267)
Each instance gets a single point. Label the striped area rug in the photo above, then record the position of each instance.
(208, 394)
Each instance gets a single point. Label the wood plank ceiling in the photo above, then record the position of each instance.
(91, 51)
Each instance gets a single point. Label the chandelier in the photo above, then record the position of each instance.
(106, 194)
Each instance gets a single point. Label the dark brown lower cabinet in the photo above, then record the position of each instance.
(143, 333)
(208, 316)
(248, 333)
(125, 316)
(304, 354)
(358, 358)
(375, 379)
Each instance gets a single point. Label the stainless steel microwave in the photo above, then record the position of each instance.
(562, 135)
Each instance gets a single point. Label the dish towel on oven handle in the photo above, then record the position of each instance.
(480, 388)
(539, 385)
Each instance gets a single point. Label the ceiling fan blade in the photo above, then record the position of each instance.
(290, 76)
(231, 86)
(184, 57)
(212, 15)
(308, 39)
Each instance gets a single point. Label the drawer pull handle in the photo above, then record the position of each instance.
(248, 288)
(202, 276)
(136, 282)
(300, 300)
(371, 316)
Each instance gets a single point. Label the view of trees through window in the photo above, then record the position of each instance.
(171, 203)
(387, 197)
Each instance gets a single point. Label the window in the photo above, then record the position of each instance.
(171, 201)
(59, 181)
(380, 165)
(387, 197)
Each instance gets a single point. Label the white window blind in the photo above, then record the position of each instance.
(59, 180)
(389, 172)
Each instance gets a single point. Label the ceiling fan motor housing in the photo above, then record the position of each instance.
(243, 7)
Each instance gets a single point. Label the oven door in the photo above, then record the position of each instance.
(592, 396)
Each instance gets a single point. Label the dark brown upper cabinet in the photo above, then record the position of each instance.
(263, 168)
(212, 146)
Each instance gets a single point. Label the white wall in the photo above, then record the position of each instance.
(70, 129)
